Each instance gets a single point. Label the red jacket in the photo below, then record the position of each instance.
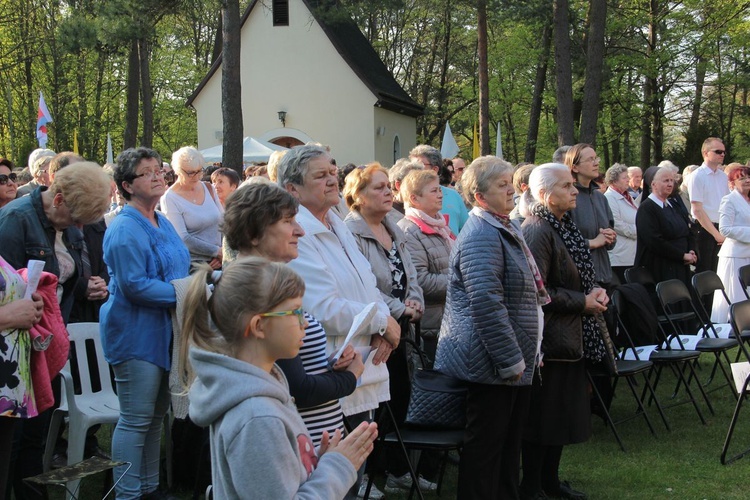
(46, 363)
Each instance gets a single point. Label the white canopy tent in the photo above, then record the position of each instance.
(252, 150)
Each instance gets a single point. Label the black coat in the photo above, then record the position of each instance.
(664, 237)
(563, 328)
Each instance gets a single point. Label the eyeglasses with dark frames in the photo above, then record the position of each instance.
(192, 173)
(719, 151)
(4, 178)
(150, 173)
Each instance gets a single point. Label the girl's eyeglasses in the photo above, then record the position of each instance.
(279, 314)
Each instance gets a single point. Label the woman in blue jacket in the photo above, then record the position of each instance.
(144, 253)
(490, 331)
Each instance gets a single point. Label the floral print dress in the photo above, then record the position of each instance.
(16, 391)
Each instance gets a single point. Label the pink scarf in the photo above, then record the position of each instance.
(438, 225)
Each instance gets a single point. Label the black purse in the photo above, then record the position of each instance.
(437, 400)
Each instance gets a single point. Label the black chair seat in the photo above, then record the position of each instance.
(715, 345)
(424, 439)
(672, 355)
(627, 367)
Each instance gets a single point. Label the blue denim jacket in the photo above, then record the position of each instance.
(26, 233)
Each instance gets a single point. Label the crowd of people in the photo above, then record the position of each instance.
(282, 309)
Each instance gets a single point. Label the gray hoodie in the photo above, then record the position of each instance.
(260, 447)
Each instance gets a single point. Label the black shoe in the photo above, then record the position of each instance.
(59, 460)
(566, 492)
(158, 494)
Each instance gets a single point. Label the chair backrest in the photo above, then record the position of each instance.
(707, 283)
(739, 316)
(745, 279)
(88, 367)
(671, 292)
(639, 275)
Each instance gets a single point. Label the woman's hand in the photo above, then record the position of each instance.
(356, 446)
(392, 332)
(96, 288)
(345, 359)
(689, 258)
(594, 302)
(598, 242)
(22, 313)
(383, 349)
(609, 234)
(414, 310)
(215, 263)
(356, 365)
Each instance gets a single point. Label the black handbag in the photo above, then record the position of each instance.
(437, 400)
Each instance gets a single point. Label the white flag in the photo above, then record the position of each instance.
(499, 143)
(449, 149)
(110, 155)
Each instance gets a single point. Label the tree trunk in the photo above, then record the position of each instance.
(536, 101)
(592, 87)
(231, 88)
(130, 135)
(645, 160)
(692, 139)
(565, 133)
(484, 84)
(147, 94)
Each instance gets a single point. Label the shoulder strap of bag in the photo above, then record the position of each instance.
(210, 188)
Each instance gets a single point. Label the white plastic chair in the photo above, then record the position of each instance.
(87, 408)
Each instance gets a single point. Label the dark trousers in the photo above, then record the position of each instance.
(540, 469)
(6, 445)
(491, 458)
(708, 258)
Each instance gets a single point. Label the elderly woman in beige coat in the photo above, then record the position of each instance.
(368, 195)
(429, 240)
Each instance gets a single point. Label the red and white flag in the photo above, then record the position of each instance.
(43, 117)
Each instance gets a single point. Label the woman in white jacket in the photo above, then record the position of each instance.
(339, 282)
(623, 209)
(734, 224)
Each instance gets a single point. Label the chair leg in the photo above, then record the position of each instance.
(690, 392)
(58, 417)
(414, 477)
(639, 402)
(76, 444)
(655, 400)
(607, 416)
(732, 424)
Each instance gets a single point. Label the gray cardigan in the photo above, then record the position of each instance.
(592, 213)
(491, 324)
(381, 266)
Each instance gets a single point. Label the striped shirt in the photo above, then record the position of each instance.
(327, 416)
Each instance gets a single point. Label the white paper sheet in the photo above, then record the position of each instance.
(34, 272)
(740, 372)
(359, 324)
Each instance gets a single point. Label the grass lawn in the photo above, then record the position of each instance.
(681, 464)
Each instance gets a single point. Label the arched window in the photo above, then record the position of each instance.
(396, 148)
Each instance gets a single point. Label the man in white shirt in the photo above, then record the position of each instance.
(706, 187)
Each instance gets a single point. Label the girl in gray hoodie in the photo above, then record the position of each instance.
(260, 447)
